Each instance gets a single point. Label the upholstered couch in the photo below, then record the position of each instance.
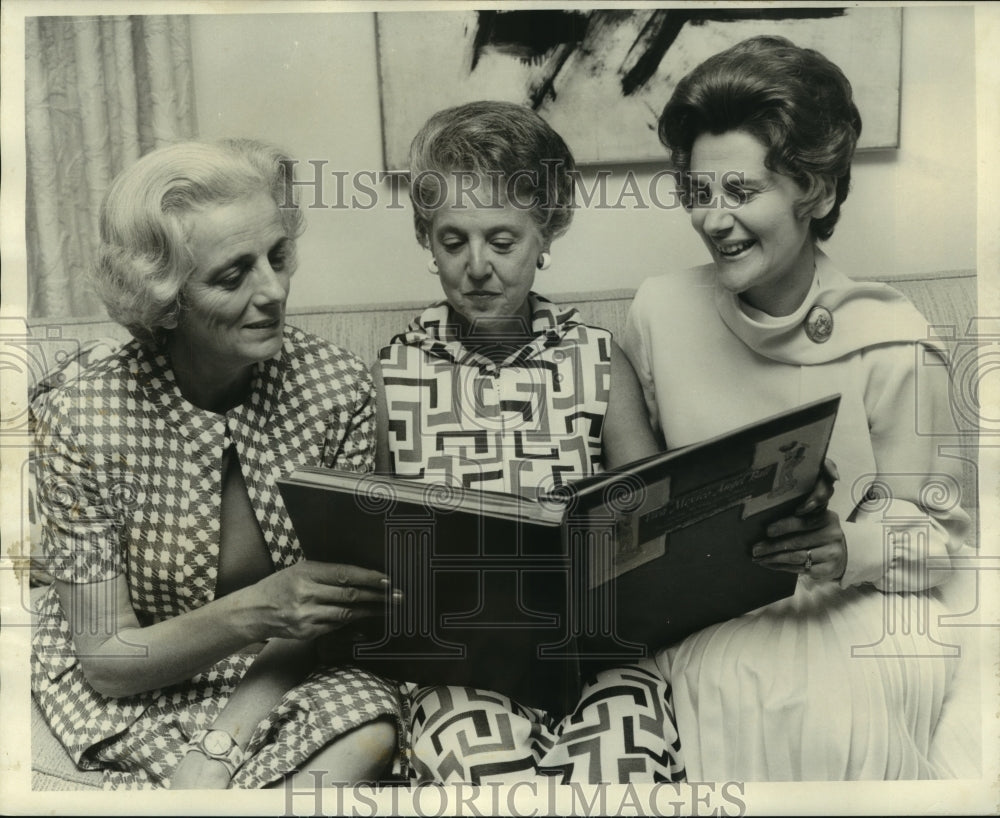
(948, 299)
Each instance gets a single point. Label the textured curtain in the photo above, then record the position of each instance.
(99, 93)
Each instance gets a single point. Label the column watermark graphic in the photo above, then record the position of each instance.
(36, 354)
(913, 626)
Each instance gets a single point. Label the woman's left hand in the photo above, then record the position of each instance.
(198, 772)
(812, 544)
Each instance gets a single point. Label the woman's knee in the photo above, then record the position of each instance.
(361, 755)
(379, 738)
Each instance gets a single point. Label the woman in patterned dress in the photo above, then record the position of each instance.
(834, 682)
(551, 400)
(175, 646)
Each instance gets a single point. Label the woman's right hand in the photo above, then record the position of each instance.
(121, 657)
(312, 598)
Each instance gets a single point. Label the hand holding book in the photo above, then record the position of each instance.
(615, 566)
(811, 541)
(312, 598)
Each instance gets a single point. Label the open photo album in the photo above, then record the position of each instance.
(526, 596)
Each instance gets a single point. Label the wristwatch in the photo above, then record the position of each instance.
(221, 746)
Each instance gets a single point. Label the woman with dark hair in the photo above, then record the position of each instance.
(818, 686)
(175, 647)
(545, 399)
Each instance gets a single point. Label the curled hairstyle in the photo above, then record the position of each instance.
(526, 161)
(795, 101)
(144, 258)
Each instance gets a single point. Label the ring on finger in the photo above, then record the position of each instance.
(808, 564)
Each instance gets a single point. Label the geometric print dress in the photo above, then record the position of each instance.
(128, 480)
(528, 424)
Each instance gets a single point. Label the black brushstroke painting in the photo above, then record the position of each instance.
(537, 37)
(527, 35)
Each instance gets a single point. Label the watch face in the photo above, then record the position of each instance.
(217, 742)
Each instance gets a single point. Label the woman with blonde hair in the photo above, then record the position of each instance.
(175, 647)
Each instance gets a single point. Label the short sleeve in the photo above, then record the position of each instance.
(75, 496)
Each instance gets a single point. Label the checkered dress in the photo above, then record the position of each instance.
(532, 422)
(128, 480)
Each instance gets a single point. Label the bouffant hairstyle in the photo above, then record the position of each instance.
(523, 158)
(144, 259)
(795, 101)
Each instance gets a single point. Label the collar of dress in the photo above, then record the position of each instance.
(156, 378)
(434, 333)
(865, 314)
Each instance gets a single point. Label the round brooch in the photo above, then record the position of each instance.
(819, 324)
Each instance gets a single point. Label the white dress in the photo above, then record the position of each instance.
(842, 680)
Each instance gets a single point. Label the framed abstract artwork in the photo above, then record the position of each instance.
(601, 77)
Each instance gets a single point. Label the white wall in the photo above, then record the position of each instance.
(309, 83)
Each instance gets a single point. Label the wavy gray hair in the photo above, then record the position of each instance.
(144, 258)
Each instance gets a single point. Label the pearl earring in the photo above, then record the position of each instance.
(432, 266)
(544, 260)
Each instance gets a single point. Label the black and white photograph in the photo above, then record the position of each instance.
(510, 408)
